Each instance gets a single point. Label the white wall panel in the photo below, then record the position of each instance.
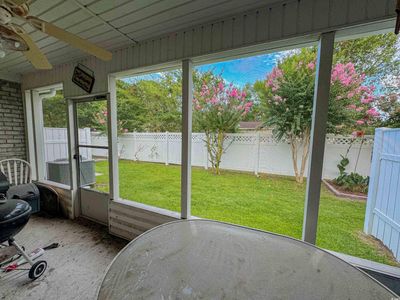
(258, 28)
(129, 221)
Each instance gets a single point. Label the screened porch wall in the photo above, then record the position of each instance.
(283, 24)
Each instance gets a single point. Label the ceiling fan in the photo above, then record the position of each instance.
(14, 38)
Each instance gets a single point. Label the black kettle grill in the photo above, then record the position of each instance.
(14, 214)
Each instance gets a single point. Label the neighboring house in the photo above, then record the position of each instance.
(245, 126)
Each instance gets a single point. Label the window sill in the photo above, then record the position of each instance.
(54, 184)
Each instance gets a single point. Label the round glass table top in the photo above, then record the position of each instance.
(202, 259)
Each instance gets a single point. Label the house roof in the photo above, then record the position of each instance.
(249, 125)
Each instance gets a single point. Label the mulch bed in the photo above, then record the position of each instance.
(340, 192)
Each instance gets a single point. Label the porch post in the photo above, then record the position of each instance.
(29, 127)
(72, 151)
(186, 164)
(318, 135)
(38, 128)
(113, 138)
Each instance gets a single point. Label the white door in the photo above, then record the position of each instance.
(92, 142)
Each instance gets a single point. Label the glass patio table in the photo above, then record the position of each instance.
(203, 259)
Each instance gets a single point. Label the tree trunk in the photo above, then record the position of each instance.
(215, 149)
(219, 151)
(293, 146)
(306, 149)
(296, 144)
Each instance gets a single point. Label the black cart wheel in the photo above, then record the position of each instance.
(37, 269)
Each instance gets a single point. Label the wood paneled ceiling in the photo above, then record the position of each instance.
(115, 23)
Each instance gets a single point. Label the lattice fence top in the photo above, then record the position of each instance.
(198, 137)
(347, 140)
(175, 137)
(241, 138)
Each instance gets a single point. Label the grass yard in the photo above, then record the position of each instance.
(269, 203)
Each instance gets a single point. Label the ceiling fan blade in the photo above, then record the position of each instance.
(70, 38)
(34, 55)
(18, 2)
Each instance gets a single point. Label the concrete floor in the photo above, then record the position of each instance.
(75, 269)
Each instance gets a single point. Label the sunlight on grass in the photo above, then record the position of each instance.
(269, 203)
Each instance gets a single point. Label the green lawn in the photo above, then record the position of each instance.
(269, 203)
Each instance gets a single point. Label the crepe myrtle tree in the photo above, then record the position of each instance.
(289, 102)
(218, 109)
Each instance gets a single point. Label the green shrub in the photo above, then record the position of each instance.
(352, 182)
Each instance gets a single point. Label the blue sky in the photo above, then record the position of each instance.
(238, 71)
(243, 70)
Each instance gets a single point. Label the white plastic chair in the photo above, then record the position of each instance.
(17, 171)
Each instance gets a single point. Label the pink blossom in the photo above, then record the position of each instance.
(360, 122)
(234, 93)
(272, 78)
(367, 99)
(352, 106)
(345, 74)
(214, 100)
(372, 112)
(311, 65)
(125, 130)
(350, 95)
(248, 104)
(220, 85)
(358, 109)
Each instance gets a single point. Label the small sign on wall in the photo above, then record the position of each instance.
(83, 77)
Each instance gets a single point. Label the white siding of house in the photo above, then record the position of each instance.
(275, 26)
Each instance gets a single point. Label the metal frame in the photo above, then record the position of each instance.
(74, 145)
(318, 136)
(186, 166)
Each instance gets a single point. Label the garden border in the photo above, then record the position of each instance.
(340, 194)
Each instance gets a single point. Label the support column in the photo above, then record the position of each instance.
(113, 138)
(318, 135)
(38, 128)
(29, 126)
(186, 164)
(72, 152)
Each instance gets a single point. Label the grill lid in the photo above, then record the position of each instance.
(13, 208)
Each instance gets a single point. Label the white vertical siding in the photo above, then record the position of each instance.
(131, 220)
(279, 21)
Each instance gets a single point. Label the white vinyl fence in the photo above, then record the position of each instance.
(256, 152)
(382, 218)
(56, 143)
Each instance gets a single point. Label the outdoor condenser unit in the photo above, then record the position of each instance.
(58, 171)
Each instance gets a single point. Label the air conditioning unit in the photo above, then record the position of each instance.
(58, 171)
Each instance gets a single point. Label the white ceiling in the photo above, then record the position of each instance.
(115, 23)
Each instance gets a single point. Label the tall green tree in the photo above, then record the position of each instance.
(375, 55)
(55, 111)
(218, 109)
(152, 105)
(289, 91)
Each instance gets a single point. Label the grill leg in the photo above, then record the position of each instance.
(20, 250)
